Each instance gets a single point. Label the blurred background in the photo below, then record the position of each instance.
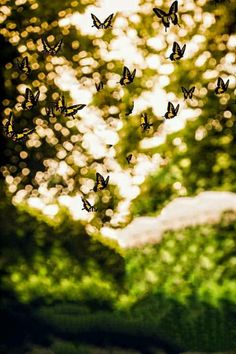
(67, 286)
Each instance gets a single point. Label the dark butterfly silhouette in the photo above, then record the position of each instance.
(51, 50)
(188, 93)
(177, 52)
(221, 86)
(24, 66)
(102, 25)
(127, 77)
(170, 16)
(171, 111)
(145, 125)
(129, 158)
(99, 86)
(67, 111)
(9, 132)
(100, 183)
(31, 100)
(130, 109)
(87, 206)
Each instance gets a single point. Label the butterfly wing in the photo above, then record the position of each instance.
(126, 76)
(72, 110)
(182, 51)
(226, 84)
(36, 97)
(46, 47)
(49, 111)
(29, 100)
(86, 205)
(106, 181)
(22, 136)
(176, 48)
(170, 111)
(57, 47)
(99, 184)
(185, 92)
(133, 75)
(130, 109)
(191, 91)
(9, 126)
(176, 110)
(129, 157)
(60, 104)
(96, 22)
(143, 120)
(107, 22)
(99, 86)
(173, 13)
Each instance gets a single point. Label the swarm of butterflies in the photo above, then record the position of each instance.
(31, 99)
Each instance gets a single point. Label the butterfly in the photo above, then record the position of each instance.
(99, 86)
(31, 100)
(177, 52)
(130, 109)
(170, 16)
(221, 86)
(24, 66)
(171, 111)
(144, 122)
(188, 93)
(129, 158)
(69, 111)
(87, 206)
(127, 77)
(100, 183)
(10, 133)
(22, 136)
(102, 25)
(51, 50)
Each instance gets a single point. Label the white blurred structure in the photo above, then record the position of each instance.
(206, 208)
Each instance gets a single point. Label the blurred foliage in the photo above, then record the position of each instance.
(62, 290)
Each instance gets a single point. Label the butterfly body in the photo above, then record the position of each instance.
(221, 86)
(24, 66)
(171, 111)
(31, 100)
(188, 93)
(87, 206)
(51, 50)
(177, 52)
(101, 183)
(170, 16)
(145, 125)
(102, 25)
(127, 77)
